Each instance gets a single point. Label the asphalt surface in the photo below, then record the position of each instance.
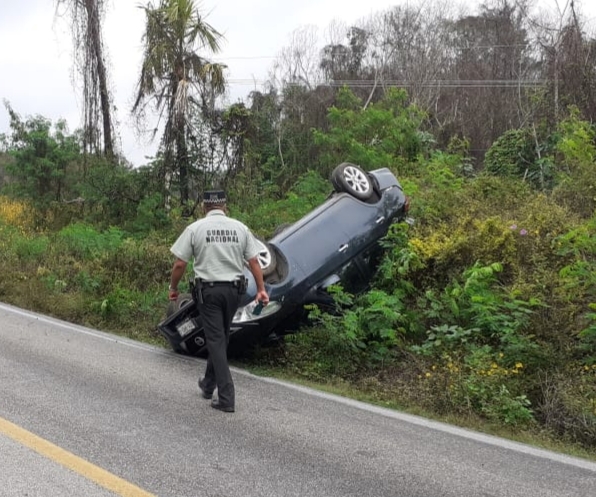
(134, 411)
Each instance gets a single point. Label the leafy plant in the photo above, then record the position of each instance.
(31, 248)
(44, 155)
(578, 276)
(383, 134)
(476, 313)
(577, 182)
(84, 241)
(17, 213)
(517, 153)
(376, 326)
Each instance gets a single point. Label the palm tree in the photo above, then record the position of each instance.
(176, 80)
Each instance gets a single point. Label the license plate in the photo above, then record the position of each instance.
(185, 327)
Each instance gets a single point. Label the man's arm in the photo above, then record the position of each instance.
(255, 269)
(178, 271)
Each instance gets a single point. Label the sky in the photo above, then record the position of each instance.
(36, 69)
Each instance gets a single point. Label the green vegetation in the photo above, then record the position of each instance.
(483, 313)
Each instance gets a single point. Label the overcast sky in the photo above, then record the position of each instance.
(36, 54)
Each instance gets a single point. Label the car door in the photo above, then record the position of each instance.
(318, 244)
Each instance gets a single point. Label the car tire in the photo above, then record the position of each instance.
(352, 179)
(266, 257)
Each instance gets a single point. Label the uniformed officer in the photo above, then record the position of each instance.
(218, 246)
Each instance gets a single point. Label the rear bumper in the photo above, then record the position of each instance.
(184, 330)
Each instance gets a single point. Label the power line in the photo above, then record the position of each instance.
(471, 47)
(368, 83)
(457, 83)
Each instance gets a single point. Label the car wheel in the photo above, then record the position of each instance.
(175, 305)
(352, 179)
(266, 257)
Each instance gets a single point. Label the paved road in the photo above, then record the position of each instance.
(88, 414)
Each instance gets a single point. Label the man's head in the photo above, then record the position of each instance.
(214, 199)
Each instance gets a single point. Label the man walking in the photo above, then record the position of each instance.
(218, 246)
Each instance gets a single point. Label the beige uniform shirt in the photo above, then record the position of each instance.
(218, 246)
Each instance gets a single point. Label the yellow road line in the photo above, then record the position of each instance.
(94, 473)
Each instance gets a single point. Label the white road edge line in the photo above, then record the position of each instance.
(408, 418)
(80, 329)
(437, 425)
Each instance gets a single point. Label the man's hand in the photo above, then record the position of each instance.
(262, 296)
(255, 269)
(173, 294)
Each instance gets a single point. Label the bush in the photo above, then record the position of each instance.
(141, 264)
(577, 157)
(17, 213)
(568, 404)
(516, 154)
(85, 242)
(479, 384)
(31, 248)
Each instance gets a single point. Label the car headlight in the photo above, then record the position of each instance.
(245, 313)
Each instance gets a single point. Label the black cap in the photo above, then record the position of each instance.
(214, 197)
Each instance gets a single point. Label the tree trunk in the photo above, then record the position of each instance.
(95, 35)
(182, 160)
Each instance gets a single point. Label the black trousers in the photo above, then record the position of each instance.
(219, 305)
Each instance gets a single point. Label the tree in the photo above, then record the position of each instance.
(296, 64)
(570, 66)
(493, 73)
(409, 47)
(303, 100)
(86, 18)
(177, 81)
(340, 62)
(43, 169)
(385, 133)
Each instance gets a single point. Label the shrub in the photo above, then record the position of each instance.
(128, 311)
(17, 213)
(141, 264)
(577, 157)
(515, 154)
(568, 404)
(482, 383)
(85, 242)
(577, 277)
(385, 133)
(31, 248)
(150, 215)
(376, 326)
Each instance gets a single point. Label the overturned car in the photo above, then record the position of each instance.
(337, 242)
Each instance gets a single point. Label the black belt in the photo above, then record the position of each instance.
(220, 283)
